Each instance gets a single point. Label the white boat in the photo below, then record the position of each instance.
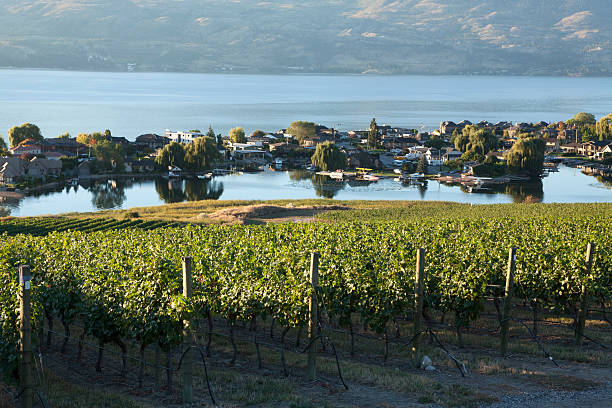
(337, 175)
(370, 177)
(206, 176)
(278, 163)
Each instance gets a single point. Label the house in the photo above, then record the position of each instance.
(448, 127)
(451, 154)
(282, 148)
(120, 140)
(56, 155)
(182, 137)
(151, 141)
(64, 144)
(139, 166)
(83, 169)
(591, 148)
(552, 144)
(27, 146)
(433, 157)
(399, 142)
(571, 148)
(603, 152)
(12, 170)
(570, 135)
(497, 154)
(43, 168)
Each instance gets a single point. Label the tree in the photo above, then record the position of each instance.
(17, 134)
(91, 139)
(211, 132)
(373, 135)
(201, 154)
(480, 141)
(302, 130)
(109, 155)
(582, 118)
(604, 127)
(3, 147)
(258, 133)
(328, 157)
(173, 154)
(422, 165)
(436, 142)
(461, 142)
(107, 134)
(236, 135)
(527, 155)
(64, 135)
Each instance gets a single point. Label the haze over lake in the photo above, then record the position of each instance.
(130, 104)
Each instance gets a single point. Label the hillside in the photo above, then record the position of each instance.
(573, 37)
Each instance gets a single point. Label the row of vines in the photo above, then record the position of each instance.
(46, 225)
(126, 285)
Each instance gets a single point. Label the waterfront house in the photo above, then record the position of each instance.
(603, 152)
(591, 148)
(151, 141)
(552, 144)
(139, 166)
(448, 127)
(182, 137)
(12, 170)
(451, 154)
(571, 148)
(39, 168)
(64, 144)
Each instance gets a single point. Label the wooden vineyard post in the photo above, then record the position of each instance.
(25, 337)
(418, 302)
(584, 296)
(187, 340)
(505, 323)
(312, 316)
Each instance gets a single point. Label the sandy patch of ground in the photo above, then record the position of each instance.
(267, 213)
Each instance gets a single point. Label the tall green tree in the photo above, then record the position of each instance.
(201, 154)
(173, 154)
(211, 132)
(237, 135)
(302, 130)
(328, 157)
(474, 139)
(604, 127)
(258, 133)
(110, 156)
(582, 118)
(422, 165)
(18, 134)
(373, 135)
(527, 156)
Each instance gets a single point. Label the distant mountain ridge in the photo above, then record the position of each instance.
(528, 37)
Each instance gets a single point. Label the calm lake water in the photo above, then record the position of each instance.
(568, 185)
(130, 104)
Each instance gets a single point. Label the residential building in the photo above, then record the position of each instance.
(151, 141)
(182, 137)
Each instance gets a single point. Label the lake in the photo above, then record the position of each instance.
(130, 104)
(568, 185)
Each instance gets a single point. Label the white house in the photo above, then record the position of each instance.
(182, 137)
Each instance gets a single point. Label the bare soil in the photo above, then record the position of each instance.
(265, 213)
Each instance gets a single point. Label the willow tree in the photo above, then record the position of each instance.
(328, 157)
(604, 127)
(527, 156)
(474, 139)
(173, 154)
(373, 135)
(201, 154)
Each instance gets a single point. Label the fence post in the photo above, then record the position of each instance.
(505, 323)
(584, 296)
(25, 337)
(187, 340)
(418, 301)
(313, 316)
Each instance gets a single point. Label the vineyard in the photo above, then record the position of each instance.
(44, 225)
(120, 282)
